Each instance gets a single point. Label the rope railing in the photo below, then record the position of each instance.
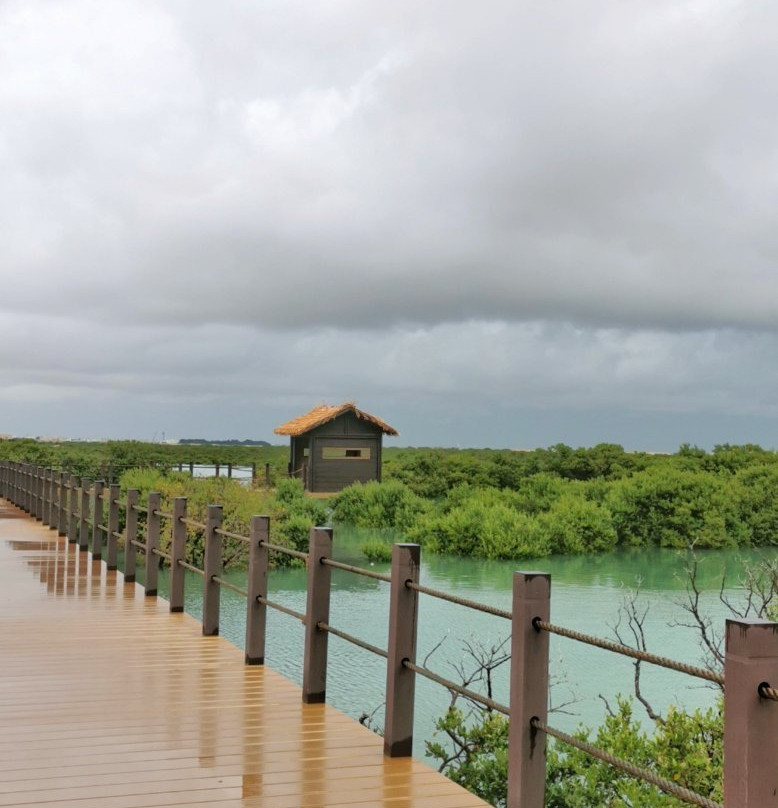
(229, 585)
(457, 688)
(279, 607)
(470, 604)
(193, 523)
(157, 552)
(767, 692)
(374, 649)
(277, 548)
(138, 544)
(634, 653)
(668, 786)
(140, 509)
(338, 565)
(163, 514)
(230, 535)
(191, 567)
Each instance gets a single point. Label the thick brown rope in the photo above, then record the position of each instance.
(192, 523)
(767, 692)
(356, 570)
(463, 691)
(230, 535)
(279, 608)
(228, 585)
(191, 567)
(374, 649)
(285, 550)
(471, 604)
(668, 786)
(625, 650)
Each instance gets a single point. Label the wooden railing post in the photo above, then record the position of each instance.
(38, 493)
(62, 504)
(750, 721)
(46, 503)
(130, 551)
(97, 520)
(27, 488)
(256, 612)
(317, 611)
(51, 513)
(34, 491)
(73, 510)
(83, 528)
(212, 567)
(31, 489)
(152, 543)
(112, 540)
(51, 509)
(529, 690)
(400, 681)
(177, 553)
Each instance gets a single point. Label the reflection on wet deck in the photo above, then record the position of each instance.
(107, 699)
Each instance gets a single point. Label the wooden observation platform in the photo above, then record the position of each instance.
(107, 700)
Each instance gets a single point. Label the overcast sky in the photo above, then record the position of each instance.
(502, 224)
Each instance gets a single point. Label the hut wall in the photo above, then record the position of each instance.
(344, 451)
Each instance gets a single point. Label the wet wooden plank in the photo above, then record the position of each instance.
(107, 699)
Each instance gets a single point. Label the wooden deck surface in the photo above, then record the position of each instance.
(109, 701)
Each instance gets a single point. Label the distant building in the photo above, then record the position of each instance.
(335, 446)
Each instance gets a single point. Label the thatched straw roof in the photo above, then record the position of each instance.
(324, 413)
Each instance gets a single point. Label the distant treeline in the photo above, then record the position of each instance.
(506, 504)
(108, 459)
(231, 442)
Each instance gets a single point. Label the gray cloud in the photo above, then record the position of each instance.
(563, 205)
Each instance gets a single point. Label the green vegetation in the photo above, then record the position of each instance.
(686, 748)
(108, 459)
(291, 513)
(504, 505)
(377, 550)
(496, 503)
(471, 743)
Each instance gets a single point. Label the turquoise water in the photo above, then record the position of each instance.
(587, 594)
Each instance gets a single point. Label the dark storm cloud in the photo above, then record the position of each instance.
(352, 168)
(556, 202)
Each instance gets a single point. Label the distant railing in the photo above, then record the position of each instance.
(76, 509)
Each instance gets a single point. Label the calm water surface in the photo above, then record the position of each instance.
(587, 594)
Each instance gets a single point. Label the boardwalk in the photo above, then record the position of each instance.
(107, 699)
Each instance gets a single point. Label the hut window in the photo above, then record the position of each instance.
(338, 453)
